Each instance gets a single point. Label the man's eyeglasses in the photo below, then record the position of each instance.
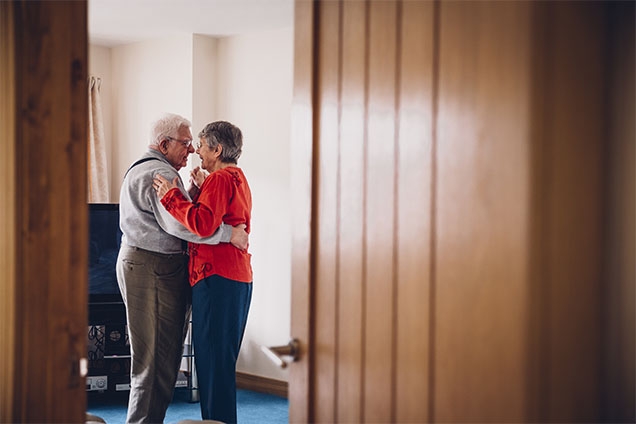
(185, 143)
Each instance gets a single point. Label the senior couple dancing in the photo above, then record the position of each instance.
(182, 248)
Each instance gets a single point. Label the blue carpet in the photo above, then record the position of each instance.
(252, 408)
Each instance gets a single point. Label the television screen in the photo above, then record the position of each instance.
(104, 240)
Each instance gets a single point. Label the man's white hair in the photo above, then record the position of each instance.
(167, 127)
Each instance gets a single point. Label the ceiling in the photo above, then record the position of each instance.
(117, 22)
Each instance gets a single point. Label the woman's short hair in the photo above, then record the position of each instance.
(167, 127)
(227, 135)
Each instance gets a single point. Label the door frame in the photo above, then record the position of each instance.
(302, 169)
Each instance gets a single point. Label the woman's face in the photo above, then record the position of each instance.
(209, 157)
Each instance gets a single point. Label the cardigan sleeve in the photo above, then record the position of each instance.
(205, 215)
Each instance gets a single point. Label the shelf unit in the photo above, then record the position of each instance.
(109, 353)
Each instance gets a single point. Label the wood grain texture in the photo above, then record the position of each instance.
(327, 225)
(257, 383)
(7, 212)
(51, 254)
(619, 274)
(575, 131)
(414, 212)
(351, 210)
(450, 212)
(380, 205)
(301, 377)
(481, 209)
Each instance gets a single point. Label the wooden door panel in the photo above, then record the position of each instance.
(47, 278)
(351, 209)
(8, 213)
(301, 376)
(380, 178)
(326, 185)
(481, 233)
(575, 139)
(415, 175)
(436, 277)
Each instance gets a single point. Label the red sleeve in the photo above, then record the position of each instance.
(205, 215)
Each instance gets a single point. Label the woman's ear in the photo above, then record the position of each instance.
(217, 150)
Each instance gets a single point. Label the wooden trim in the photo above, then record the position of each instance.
(301, 377)
(325, 184)
(257, 383)
(7, 211)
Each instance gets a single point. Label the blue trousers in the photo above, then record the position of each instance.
(219, 315)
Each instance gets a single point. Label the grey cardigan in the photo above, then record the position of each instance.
(144, 221)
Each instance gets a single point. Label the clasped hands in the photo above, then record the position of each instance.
(239, 237)
(162, 186)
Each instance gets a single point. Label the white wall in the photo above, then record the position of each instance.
(255, 93)
(204, 91)
(246, 80)
(149, 79)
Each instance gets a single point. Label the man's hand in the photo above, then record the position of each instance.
(239, 237)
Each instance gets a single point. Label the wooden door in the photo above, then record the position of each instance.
(347, 297)
(43, 212)
(447, 228)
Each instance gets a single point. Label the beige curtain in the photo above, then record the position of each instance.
(97, 170)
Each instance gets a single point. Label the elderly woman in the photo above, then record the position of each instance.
(220, 275)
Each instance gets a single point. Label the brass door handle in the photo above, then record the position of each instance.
(276, 353)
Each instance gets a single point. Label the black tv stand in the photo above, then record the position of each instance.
(108, 350)
(109, 353)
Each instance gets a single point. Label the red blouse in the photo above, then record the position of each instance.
(225, 196)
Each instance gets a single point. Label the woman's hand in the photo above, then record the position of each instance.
(197, 176)
(162, 186)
